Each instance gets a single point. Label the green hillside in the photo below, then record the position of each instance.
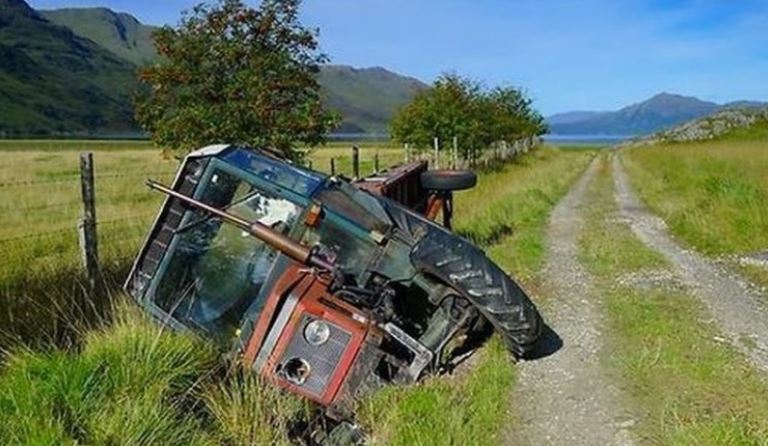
(72, 71)
(117, 32)
(54, 81)
(366, 97)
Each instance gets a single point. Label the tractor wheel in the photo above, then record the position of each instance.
(465, 268)
(448, 180)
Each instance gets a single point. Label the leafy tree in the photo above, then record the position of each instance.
(459, 107)
(232, 73)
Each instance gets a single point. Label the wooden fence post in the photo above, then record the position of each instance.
(87, 227)
(376, 163)
(437, 153)
(333, 166)
(455, 152)
(356, 162)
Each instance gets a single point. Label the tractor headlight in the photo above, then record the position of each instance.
(316, 333)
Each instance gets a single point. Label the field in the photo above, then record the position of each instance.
(125, 376)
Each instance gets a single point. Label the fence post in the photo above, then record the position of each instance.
(376, 163)
(87, 226)
(437, 153)
(356, 162)
(333, 166)
(455, 152)
(407, 152)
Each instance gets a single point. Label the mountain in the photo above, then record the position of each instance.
(53, 81)
(573, 116)
(120, 33)
(116, 44)
(366, 97)
(657, 113)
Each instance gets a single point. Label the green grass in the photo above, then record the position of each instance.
(458, 410)
(688, 388)
(135, 384)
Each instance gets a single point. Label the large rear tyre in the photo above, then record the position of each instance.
(465, 268)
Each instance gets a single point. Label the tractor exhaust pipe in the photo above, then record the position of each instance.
(278, 241)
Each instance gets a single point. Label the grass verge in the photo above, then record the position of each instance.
(691, 388)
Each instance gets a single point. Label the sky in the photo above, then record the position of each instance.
(567, 54)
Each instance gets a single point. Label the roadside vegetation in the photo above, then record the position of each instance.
(712, 194)
(135, 384)
(687, 385)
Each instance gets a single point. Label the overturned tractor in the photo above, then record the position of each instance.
(329, 288)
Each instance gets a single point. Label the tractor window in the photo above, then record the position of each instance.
(282, 174)
(216, 271)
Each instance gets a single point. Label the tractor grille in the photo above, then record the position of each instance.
(323, 360)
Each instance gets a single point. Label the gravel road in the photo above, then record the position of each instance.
(566, 398)
(735, 306)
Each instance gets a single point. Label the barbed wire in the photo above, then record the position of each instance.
(76, 178)
(58, 232)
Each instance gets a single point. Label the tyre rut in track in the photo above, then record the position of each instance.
(566, 398)
(735, 305)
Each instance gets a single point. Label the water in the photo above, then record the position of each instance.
(586, 140)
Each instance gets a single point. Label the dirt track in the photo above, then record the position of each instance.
(735, 306)
(566, 398)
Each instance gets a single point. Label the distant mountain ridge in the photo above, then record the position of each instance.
(118, 32)
(662, 111)
(53, 81)
(72, 71)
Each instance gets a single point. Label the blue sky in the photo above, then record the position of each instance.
(568, 54)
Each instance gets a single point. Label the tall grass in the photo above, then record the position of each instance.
(713, 195)
(133, 383)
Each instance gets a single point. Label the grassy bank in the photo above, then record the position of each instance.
(134, 384)
(475, 407)
(713, 195)
(690, 388)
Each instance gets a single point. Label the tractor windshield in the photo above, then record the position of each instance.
(216, 270)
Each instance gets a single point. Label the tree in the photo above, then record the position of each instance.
(459, 107)
(232, 73)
